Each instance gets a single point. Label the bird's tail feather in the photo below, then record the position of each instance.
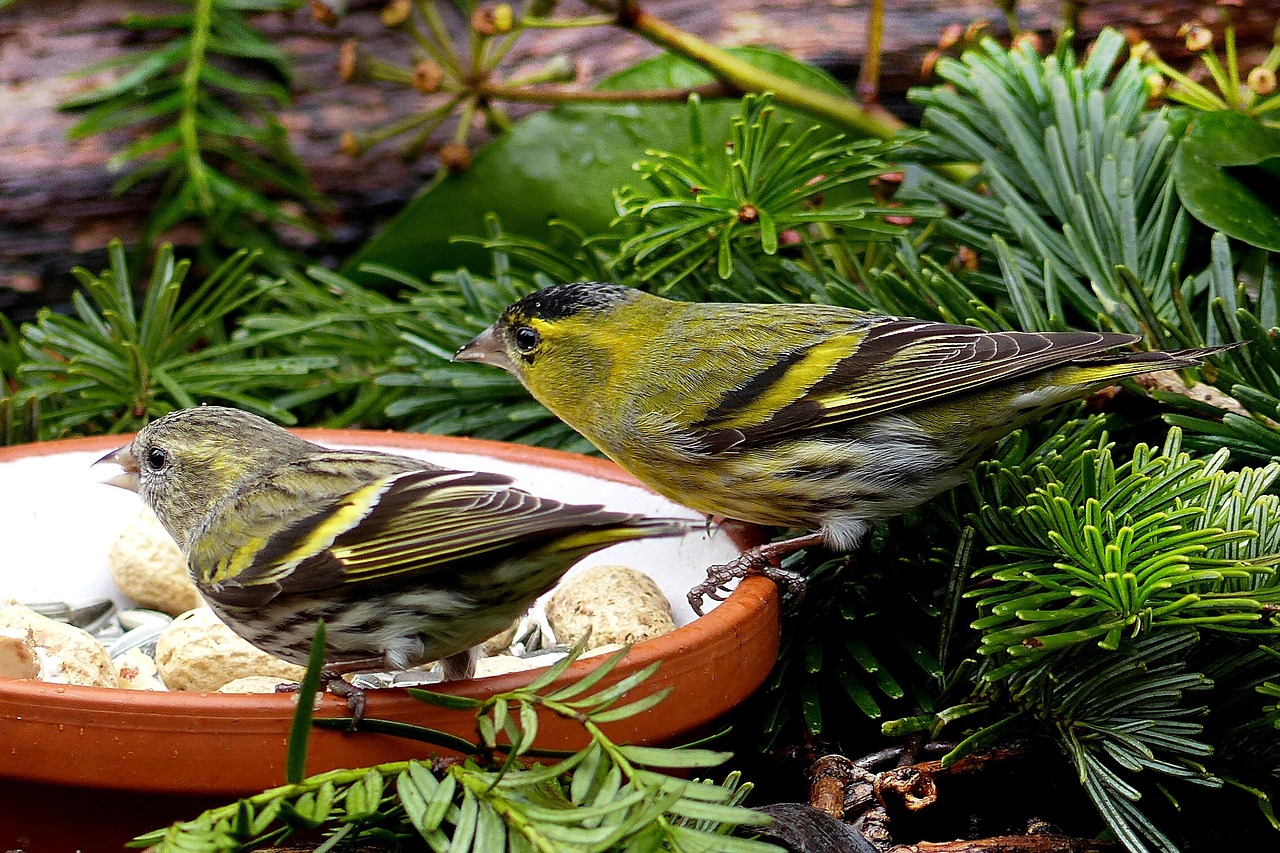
(637, 527)
(1116, 366)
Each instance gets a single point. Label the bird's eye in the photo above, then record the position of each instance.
(157, 459)
(527, 339)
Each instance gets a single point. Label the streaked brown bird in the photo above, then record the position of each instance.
(405, 561)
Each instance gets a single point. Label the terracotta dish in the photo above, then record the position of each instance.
(112, 762)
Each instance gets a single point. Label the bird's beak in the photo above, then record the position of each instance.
(128, 476)
(487, 348)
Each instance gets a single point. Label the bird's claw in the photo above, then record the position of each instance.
(753, 562)
(355, 697)
(340, 687)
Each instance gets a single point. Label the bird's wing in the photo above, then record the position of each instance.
(893, 365)
(403, 523)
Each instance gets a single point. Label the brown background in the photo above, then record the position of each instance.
(57, 208)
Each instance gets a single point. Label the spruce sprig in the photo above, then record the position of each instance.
(122, 360)
(705, 209)
(1248, 421)
(1091, 552)
(1116, 596)
(604, 797)
(435, 394)
(201, 108)
(1080, 201)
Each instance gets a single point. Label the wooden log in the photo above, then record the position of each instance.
(58, 209)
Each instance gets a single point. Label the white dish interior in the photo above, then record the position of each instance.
(58, 520)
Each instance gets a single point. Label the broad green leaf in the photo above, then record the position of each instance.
(563, 163)
(1227, 172)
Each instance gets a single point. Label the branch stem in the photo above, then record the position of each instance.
(500, 92)
(870, 121)
(568, 23)
(188, 122)
(868, 86)
(745, 77)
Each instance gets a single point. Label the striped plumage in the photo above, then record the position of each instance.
(804, 416)
(406, 562)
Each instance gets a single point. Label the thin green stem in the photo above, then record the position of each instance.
(1266, 106)
(1231, 94)
(408, 123)
(550, 74)
(868, 86)
(188, 123)
(501, 92)
(567, 23)
(463, 130)
(496, 54)
(440, 33)
(498, 118)
(477, 46)
(432, 120)
(1233, 64)
(313, 783)
(1010, 10)
(872, 121)
(1195, 94)
(745, 77)
(434, 50)
(516, 819)
(611, 749)
(380, 70)
(1071, 16)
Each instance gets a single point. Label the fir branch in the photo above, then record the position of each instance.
(604, 797)
(322, 315)
(1092, 551)
(200, 107)
(1248, 422)
(119, 362)
(1078, 176)
(859, 647)
(1122, 714)
(1113, 589)
(435, 394)
(749, 195)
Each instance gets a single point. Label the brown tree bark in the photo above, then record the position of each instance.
(57, 207)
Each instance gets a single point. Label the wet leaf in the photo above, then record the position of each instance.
(1227, 173)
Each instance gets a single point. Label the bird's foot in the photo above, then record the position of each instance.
(763, 560)
(355, 697)
(338, 686)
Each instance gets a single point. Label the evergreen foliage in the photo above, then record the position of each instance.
(605, 796)
(1110, 594)
(201, 106)
(1122, 584)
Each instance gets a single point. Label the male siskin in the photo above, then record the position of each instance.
(800, 416)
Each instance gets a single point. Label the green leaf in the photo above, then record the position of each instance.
(445, 700)
(720, 813)
(563, 163)
(439, 803)
(300, 729)
(1227, 172)
(630, 709)
(691, 840)
(200, 107)
(649, 756)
